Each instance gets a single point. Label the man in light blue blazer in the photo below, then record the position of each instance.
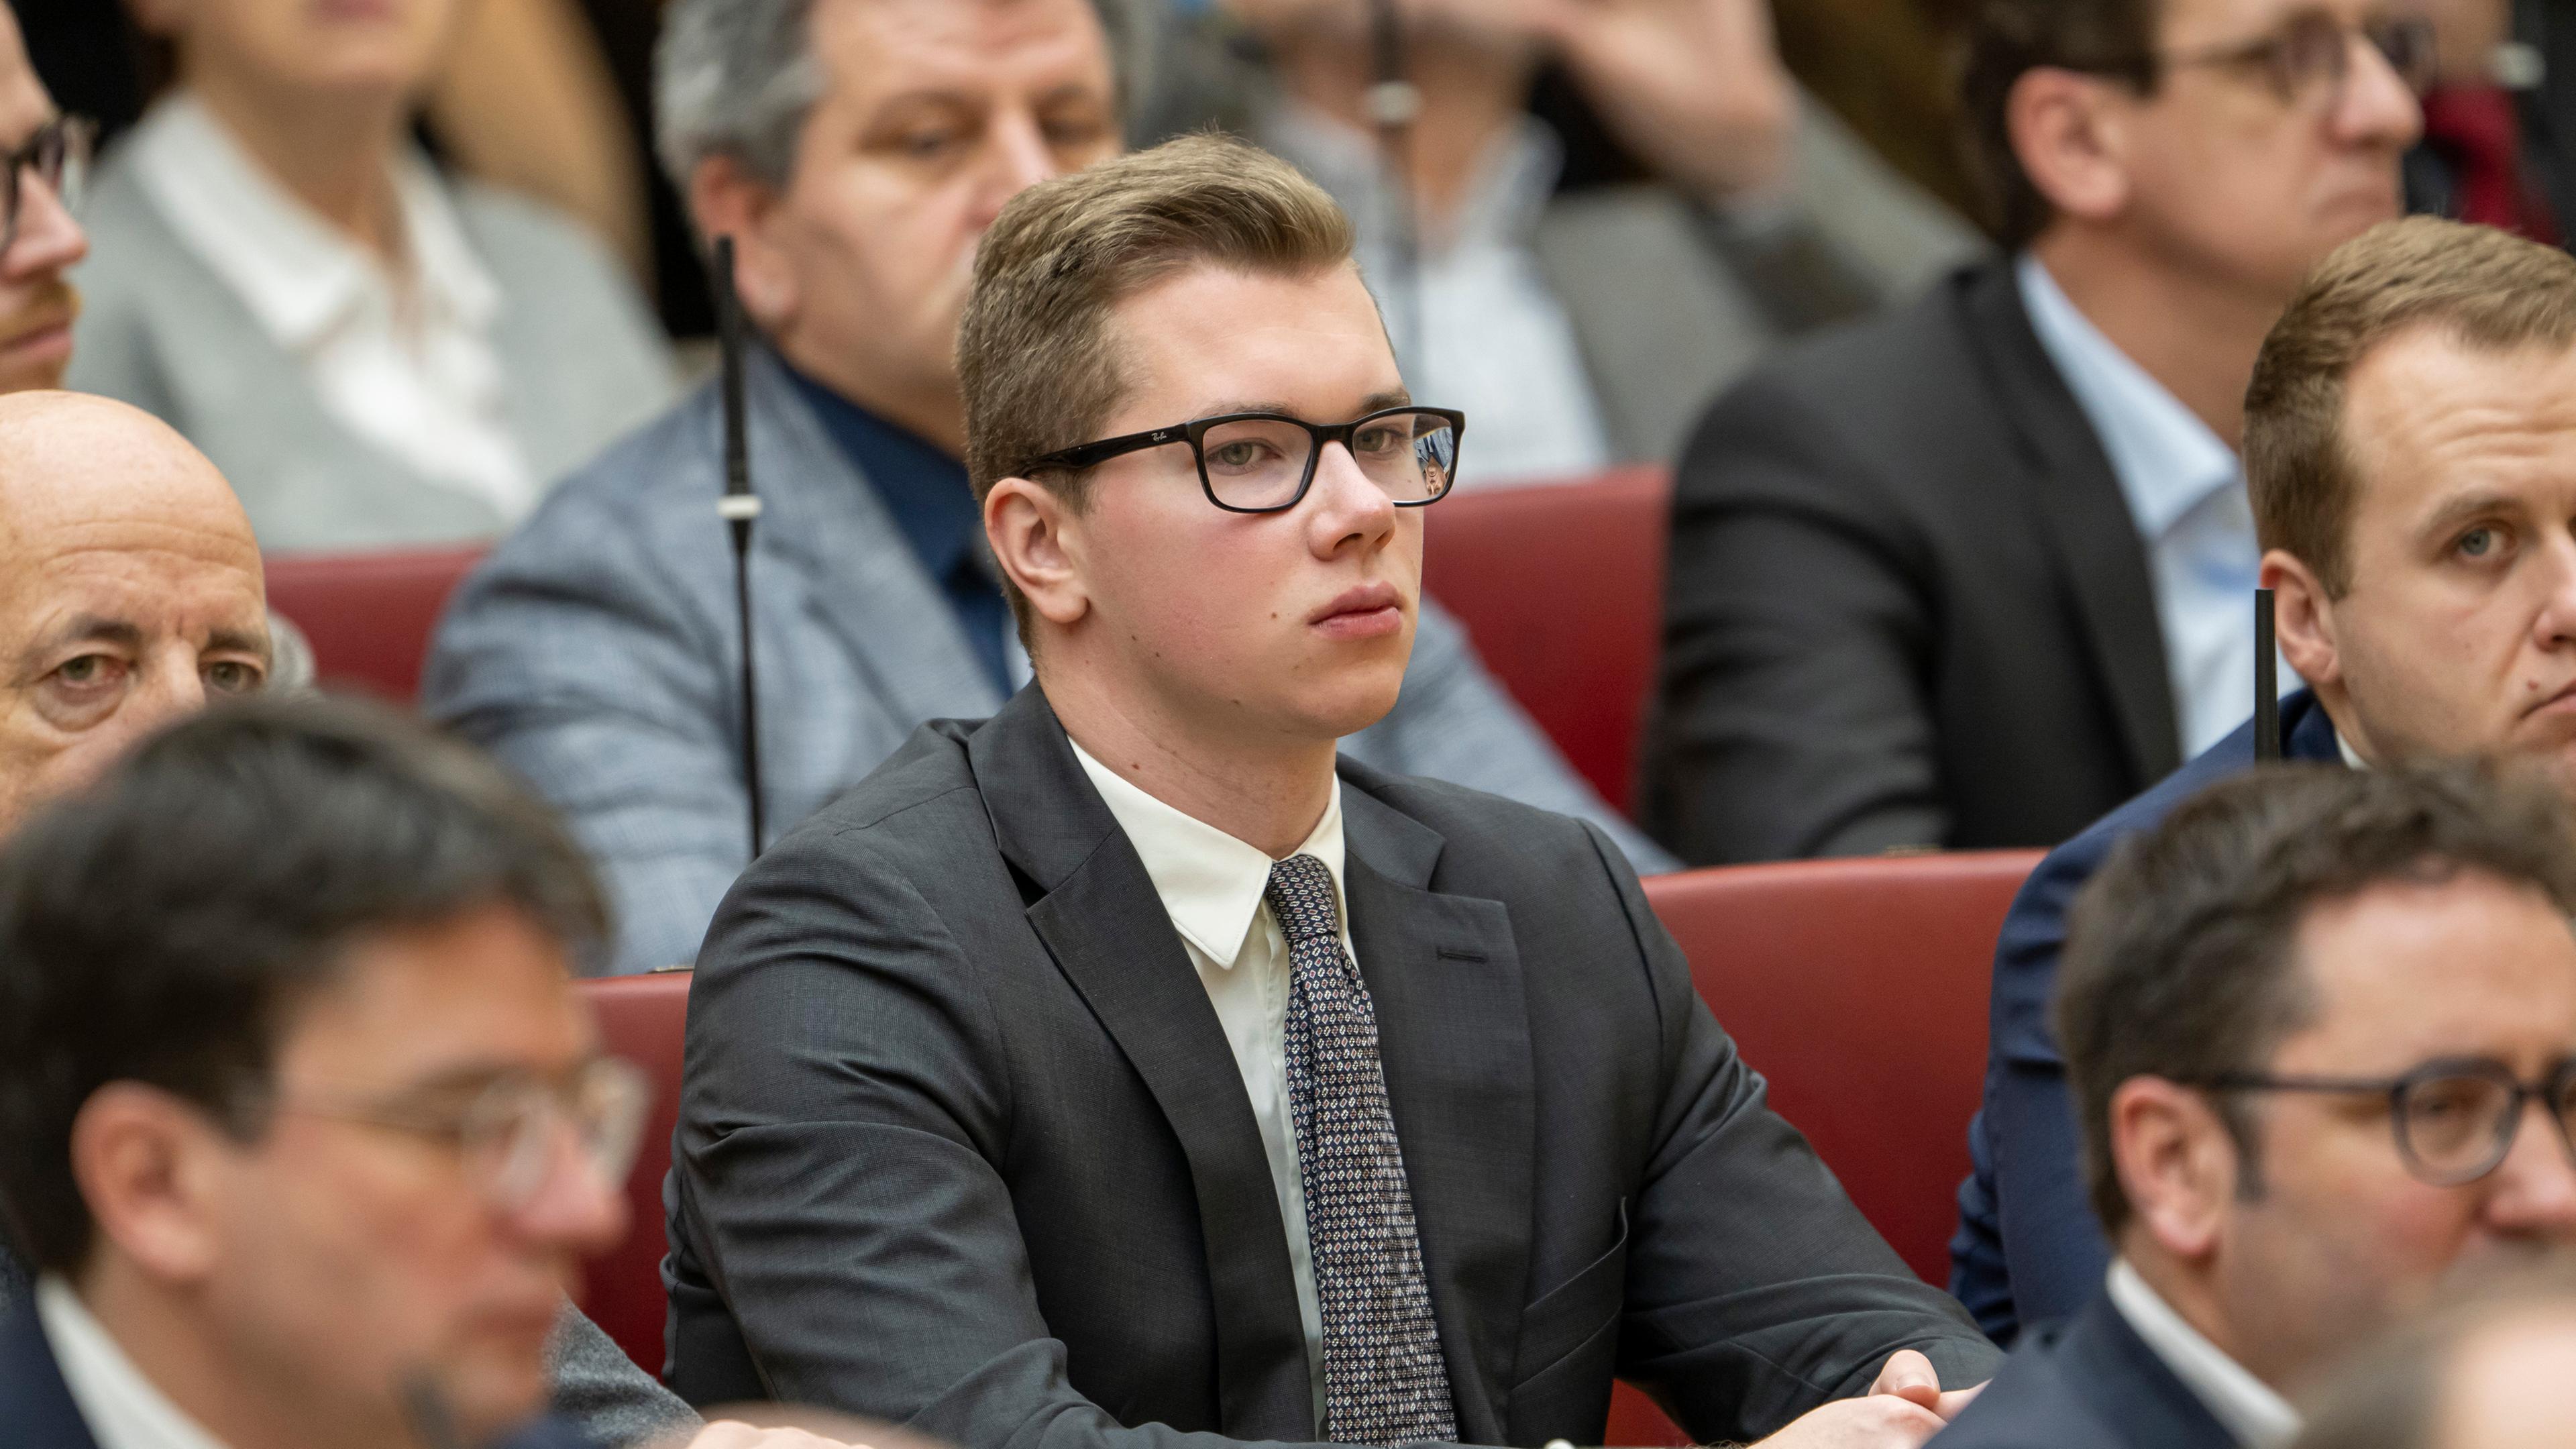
(595, 651)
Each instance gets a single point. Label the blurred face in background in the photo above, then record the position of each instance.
(370, 50)
(37, 303)
(934, 113)
(130, 590)
(2242, 172)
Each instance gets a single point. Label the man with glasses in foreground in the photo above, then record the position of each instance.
(1129, 1066)
(2321, 1025)
(308, 1133)
(47, 154)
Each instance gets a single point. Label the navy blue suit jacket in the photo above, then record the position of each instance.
(2087, 1383)
(37, 1409)
(2028, 1250)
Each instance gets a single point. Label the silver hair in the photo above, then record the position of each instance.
(738, 78)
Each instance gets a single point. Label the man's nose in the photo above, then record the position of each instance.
(1020, 158)
(2534, 1190)
(576, 1207)
(1346, 503)
(49, 238)
(2378, 107)
(2555, 625)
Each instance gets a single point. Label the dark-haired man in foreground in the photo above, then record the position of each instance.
(2321, 1026)
(1129, 1066)
(308, 1131)
(2411, 457)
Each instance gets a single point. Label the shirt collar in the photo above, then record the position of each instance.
(2166, 458)
(1514, 178)
(1211, 884)
(122, 1408)
(2256, 1415)
(298, 275)
(925, 489)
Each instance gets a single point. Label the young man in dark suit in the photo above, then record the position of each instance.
(2307, 1019)
(1033, 1094)
(1971, 574)
(2411, 451)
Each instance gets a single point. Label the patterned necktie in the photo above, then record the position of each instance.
(1384, 1382)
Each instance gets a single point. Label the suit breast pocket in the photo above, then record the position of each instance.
(1570, 1318)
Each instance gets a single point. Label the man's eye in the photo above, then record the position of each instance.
(925, 144)
(89, 671)
(2478, 543)
(232, 677)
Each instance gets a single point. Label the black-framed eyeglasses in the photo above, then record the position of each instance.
(507, 1129)
(2455, 1119)
(2306, 59)
(58, 155)
(1265, 462)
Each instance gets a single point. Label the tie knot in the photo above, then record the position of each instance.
(1301, 896)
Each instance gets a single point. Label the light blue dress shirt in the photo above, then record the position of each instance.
(2186, 492)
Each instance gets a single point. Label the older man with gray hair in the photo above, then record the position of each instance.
(855, 150)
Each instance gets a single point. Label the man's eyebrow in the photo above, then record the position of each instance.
(2465, 507)
(80, 629)
(234, 641)
(1374, 402)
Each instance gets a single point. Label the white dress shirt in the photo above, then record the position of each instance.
(121, 1407)
(2244, 1404)
(1212, 885)
(1480, 331)
(408, 362)
(2186, 493)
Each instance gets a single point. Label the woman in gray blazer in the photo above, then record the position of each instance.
(376, 354)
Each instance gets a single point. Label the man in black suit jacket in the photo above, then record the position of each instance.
(2305, 1018)
(1971, 574)
(1032, 1092)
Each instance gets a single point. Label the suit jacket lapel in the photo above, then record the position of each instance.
(1444, 974)
(35, 1403)
(2134, 1391)
(1103, 922)
(872, 592)
(2079, 498)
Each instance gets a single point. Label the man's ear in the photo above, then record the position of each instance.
(2303, 620)
(2070, 141)
(726, 200)
(2177, 1164)
(147, 1165)
(1037, 539)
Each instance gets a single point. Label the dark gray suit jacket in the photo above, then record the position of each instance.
(962, 1145)
(1907, 605)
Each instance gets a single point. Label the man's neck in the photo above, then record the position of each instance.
(934, 413)
(335, 154)
(2195, 334)
(1471, 96)
(168, 1343)
(1267, 794)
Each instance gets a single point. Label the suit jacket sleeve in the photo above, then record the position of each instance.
(570, 656)
(1454, 722)
(2053, 1245)
(1756, 1291)
(844, 1106)
(600, 1391)
(1794, 720)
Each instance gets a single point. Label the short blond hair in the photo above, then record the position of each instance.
(2483, 288)
(1036, 356)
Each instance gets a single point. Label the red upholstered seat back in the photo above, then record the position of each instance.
(644, 1020)
(1562, 588)
(369, 615)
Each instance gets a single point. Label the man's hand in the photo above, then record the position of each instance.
(1696, 86)
(1903, 1408)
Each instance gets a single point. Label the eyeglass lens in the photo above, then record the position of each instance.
(512, 1131)
(1261, 463)
(58, 154)
(2456, 1127)
(2312, 56)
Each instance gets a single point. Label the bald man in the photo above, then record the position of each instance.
(40, 246)
(130, 588)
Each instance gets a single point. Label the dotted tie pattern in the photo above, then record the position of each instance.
(1384, 1382)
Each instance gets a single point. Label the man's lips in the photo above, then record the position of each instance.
(2564, 699)
(1361, 613)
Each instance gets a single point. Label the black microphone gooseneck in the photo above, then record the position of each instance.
(2267, 682)
(1393, 102)
(738, 508)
